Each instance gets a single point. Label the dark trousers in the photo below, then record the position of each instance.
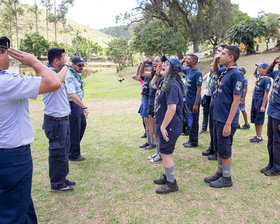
(16, 206)
(77, 129)
(58, 133)
(273, 143)
(206, 112)
(193, 139)
(213, 143)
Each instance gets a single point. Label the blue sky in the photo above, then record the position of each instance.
(101, 13)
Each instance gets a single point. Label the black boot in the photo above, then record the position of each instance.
(161, 180)
(168, 187)
(216, 176)
(221, 182)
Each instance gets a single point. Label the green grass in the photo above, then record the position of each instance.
(114, 184)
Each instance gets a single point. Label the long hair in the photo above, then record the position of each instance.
(170, 78)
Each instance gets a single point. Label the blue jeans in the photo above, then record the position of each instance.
(16, 206)
(194, 131)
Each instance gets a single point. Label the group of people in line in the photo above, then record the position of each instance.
(171, 99)
(65, 115)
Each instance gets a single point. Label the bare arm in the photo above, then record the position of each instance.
(216, 64)
(255, 72)
(244, 95)
(232, 113)
(197, 97)
(142, 72)
(271, 66)
(262, 109)
(80, 103)
(171, 109)
(50, 82)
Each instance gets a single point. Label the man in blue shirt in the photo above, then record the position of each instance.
(259, 100)
(79, 111)
(57, 127)
(273, 124)
(193, 85)
(16, 131)
(228, 91)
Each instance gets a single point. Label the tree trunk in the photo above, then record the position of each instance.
(36, 16)
(195, 46)
(47, 24)
(55, 34)
(15, 4)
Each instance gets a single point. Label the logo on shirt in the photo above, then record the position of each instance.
(238, 85)
(200, 79)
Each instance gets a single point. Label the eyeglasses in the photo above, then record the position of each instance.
(80, 65)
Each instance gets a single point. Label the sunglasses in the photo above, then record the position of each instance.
(80, 66)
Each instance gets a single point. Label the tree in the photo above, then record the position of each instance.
(118, 50)
(153, 38)
(246, 32)
(7, 20)
(34, 9)
(34, 43)
(271, 22)
(48, 8)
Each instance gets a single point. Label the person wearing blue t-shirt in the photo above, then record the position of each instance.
(273, 124)
(259, 100)
(168, 113)
(227, 99)
(16, 131)
(193, 85)
(242, 107)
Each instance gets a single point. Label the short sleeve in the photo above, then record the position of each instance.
(245, 82)
(198, 79)
(69, 83)
(267, 84)
(274, 73)
(237, 83)
(18, 87)
(172, 96)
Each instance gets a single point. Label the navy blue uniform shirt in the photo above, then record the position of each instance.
(146, 87)
(263, 83)
(274, 101)
(173, 96)
(229, 83)
(193, 78)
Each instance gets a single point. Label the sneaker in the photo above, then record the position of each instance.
(245, 126)
(161, 180)
(81, 158)
(189, 145)
(70, 183)
(256, 139)
(63, 188)
(272, 172)
(168, 187)
(221, 182)
(152, 156)
(216, 176)
(151, 146)
(202, 131)
(157, 159)
(206, 153)
(144, 145)
(263, 170)
(144, 136)
(212, 157)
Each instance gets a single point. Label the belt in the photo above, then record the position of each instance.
(56, 118)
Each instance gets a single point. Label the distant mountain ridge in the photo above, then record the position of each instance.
(119, 31)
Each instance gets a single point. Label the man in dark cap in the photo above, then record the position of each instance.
(16, 131)
(79, 110)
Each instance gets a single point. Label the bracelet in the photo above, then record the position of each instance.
(65, 65)
(84, 108)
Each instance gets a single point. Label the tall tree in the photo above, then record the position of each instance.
(35, 9)
(272, 26)
(7, 19)
(48, 7)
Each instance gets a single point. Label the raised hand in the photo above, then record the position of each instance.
(23, 57)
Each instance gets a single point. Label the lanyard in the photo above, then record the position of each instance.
(220, 78)
(78, 77)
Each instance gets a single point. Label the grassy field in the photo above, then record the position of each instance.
(114, 184)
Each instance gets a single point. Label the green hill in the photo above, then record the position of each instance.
(26, 23)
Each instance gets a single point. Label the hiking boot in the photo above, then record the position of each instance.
(212, 157)
(272, 173)
(189, 145)
(152, 156)
(245, 126)
(161, 180)
(157, 159)
(144, 145)
(151, 146)
(216, 176)
(256, 139)
(168, 187)
(263, 170)
(221, 182)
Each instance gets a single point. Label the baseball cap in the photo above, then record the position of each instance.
(263, 65)
(4, 42)
(243, 70)
(149, 64)
(173, 61)
(78, 60)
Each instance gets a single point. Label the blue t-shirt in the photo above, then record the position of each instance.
(173, 96)
(193, 78)
(274, 101)
(229, 83)
(244, 83)
(152, 95)
(146, 87)
(263, 83)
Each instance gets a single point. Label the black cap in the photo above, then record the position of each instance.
(4, 42)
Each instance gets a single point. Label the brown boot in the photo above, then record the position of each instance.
(161, 180)
(168, 187)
